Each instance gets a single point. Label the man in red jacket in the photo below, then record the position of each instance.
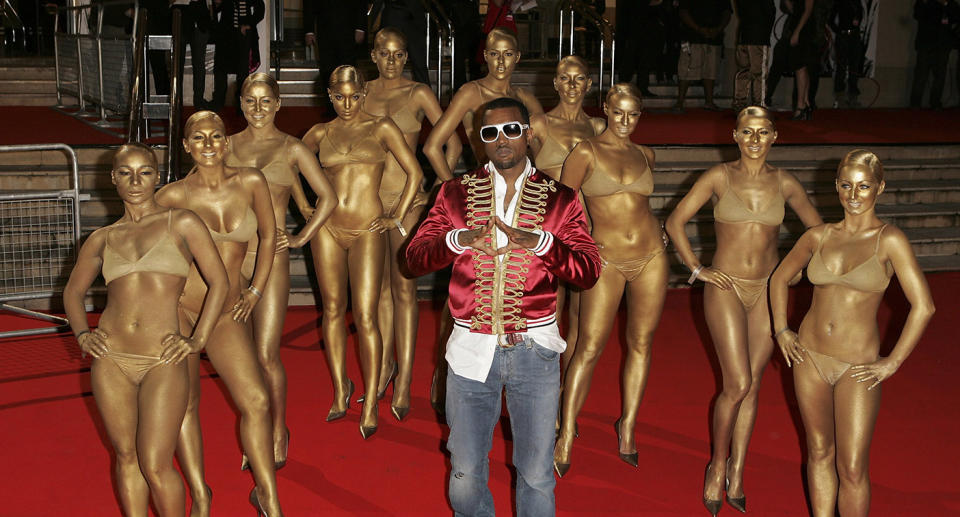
(511, 232)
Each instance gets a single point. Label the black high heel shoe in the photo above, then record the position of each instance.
(712, 505)
(337, 415)
(803, 114)
(380, 394)
(255, 501)
(632, 458)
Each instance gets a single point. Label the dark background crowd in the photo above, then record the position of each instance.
(671, 42)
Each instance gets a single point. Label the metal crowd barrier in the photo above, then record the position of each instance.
(84, 57)
(588, 13)
(39, 231)
(445, 40)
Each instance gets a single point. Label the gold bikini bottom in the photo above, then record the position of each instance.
(133, 366)
(344, 237)
(749, 290)
(830, 369)
(631, 269)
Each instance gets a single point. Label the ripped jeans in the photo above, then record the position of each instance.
(530, 374)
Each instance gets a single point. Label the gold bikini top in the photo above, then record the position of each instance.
(552, 153)
(366, 149)
(244, 231)
(406, 118)
(870, 275)
(600, 183)
(277, 172)
(731, 209)
(163, 257)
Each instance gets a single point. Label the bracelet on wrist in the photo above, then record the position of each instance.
(781, 331)
(256, 292)
(82, 332)
(693, 276)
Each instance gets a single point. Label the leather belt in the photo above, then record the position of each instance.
(510, 340)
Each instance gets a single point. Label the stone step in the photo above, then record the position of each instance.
(35, 73)
(32, 86)
(28, 99)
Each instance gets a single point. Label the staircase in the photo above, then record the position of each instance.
(922, 198)
(28, 82)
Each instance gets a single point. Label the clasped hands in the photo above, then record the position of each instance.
(175, 347)
(516, 238)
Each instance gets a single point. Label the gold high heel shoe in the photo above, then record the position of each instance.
(560, 467)
(738, 503)
(381, 394)
(712, 505)
(337, 415)
(631, 458)
(368, 431)
(255, 501)
(399, 412)
(277, 465)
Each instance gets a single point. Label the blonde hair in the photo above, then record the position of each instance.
(756, 111)
(573, 60)
(627, 89)
(200, 116)
(389, 32)
(346, 74)
(865, 158)
(500, 32)
(261, 77)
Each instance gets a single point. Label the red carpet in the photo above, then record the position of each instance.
(696, 127)
(56, 462)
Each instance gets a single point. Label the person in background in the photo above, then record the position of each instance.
(336, 27)
(703, 24)
(933, 44)
(642, 39)
(755, 22)
(846, 20)
(465, 16)
(235, 28)
(195, 30)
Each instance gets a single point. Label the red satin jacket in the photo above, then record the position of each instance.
(518, 290)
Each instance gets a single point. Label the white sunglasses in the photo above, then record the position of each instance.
(511, 130)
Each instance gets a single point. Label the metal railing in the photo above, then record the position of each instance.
(82, 52)
(39, 231)
(145, 107)
(440, 23)
(569, 9)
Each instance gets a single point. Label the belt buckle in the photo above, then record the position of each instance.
(510, 340)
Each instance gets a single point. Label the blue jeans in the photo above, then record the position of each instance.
(531, 375)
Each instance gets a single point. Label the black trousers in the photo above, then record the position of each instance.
(414, 27)
(929, 61)
(849, 63)
(232, 56)
(468, 36)
(194, 31)
(334, 48)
